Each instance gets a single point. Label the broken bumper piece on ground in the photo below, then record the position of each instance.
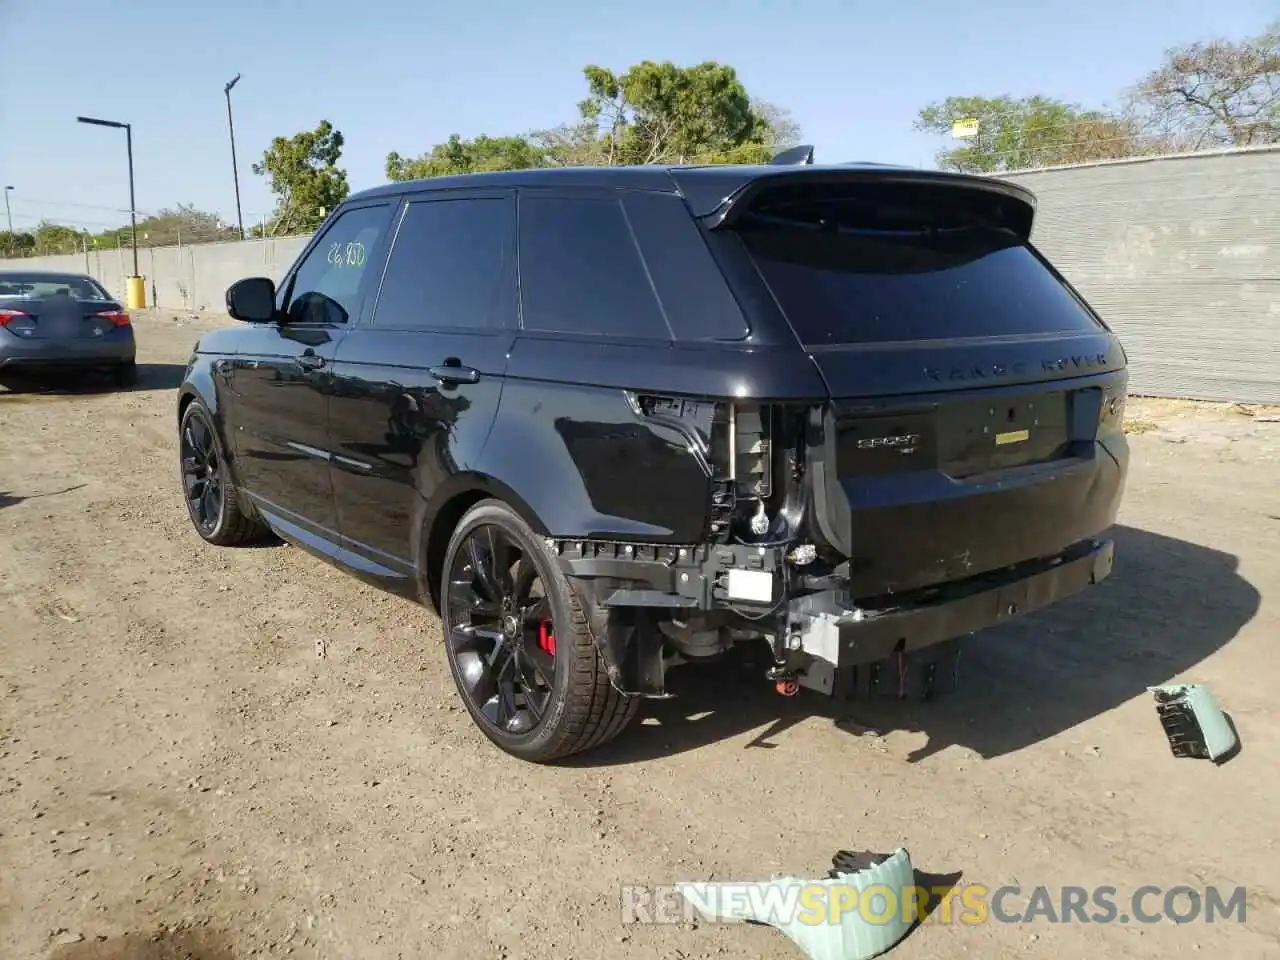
(1194, 724)
(856, 933)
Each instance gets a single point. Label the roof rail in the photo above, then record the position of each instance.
(796, 156)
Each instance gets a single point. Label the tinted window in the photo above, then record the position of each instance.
(329, 283)
(850, 286)
(691, 288)
(580, 271)
(452, 265)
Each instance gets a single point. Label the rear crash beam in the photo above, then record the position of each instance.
(827, 633)
(819, 636)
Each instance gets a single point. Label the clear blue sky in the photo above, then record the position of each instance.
(402, 76)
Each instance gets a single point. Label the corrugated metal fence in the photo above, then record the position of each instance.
(1181, 255)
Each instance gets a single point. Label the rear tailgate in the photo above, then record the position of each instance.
(975, 399)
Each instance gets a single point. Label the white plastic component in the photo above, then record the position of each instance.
(847, 934)
(754, 585)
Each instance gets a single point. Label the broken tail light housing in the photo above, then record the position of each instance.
(1111, 415)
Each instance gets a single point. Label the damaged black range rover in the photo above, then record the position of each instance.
(612, 420)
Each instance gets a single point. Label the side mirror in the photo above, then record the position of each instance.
(252, 300)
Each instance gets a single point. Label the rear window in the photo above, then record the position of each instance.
(39, 286)
(906, 278)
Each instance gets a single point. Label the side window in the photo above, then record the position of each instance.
(329, 283)
(580, 271)
(694, 293)
(452, 265)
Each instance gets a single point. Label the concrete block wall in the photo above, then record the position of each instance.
(1181, 256)
(190, 277)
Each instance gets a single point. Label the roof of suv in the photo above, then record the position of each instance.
(651, 177)
(705, 186)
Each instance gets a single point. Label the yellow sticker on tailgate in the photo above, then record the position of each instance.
(1013, 436)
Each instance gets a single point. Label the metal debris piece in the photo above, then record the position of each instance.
(1194, 724)
(847, 936)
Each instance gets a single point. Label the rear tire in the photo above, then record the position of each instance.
(213, 503)
(126, 374)
(579, 708)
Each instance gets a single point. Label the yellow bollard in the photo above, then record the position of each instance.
(135, 292)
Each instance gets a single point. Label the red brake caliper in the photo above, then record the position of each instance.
(547, 637)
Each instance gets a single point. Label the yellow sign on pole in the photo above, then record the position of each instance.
(965, 128)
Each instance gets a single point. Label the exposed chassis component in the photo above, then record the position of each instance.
(818, 634)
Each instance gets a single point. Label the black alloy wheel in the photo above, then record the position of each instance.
(502, 635)
(519, 649)
(201, 475)
(213, 502)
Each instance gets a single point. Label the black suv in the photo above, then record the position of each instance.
(610, 420)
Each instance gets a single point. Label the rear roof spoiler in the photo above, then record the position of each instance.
(719, 196)
(801, 155)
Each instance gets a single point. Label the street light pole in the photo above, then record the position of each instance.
(235, 173)
(133, 206)
(133, 211)
(7, 212)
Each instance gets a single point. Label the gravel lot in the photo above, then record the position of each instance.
(182, 775)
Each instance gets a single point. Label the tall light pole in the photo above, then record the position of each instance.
(7, 212)
(235, 174)
(133, 210)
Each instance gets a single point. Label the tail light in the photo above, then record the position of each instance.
(8, 316)
(117, 317)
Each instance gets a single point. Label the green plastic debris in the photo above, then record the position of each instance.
(830, 927)
(1194, 724)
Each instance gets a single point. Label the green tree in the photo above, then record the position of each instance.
(457, 155)
(17, 244)
(182, 224)
(663, 113)
(304, 175)
(53, 237)
(652, 113)
(1016, 134)
(1219, 93)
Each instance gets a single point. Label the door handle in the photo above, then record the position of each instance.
(310, 361)
(454, 373)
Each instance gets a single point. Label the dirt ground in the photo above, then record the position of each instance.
(181, 774)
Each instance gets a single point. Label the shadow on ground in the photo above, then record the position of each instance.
(162, 945)
(1169, 605)
(151, 376)
(12, 499)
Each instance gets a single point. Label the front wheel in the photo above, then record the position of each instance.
(213, 502)
(518, 646)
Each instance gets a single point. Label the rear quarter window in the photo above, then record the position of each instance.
(633, 265)
(848, 286)
(581, 272)
(693, 292)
